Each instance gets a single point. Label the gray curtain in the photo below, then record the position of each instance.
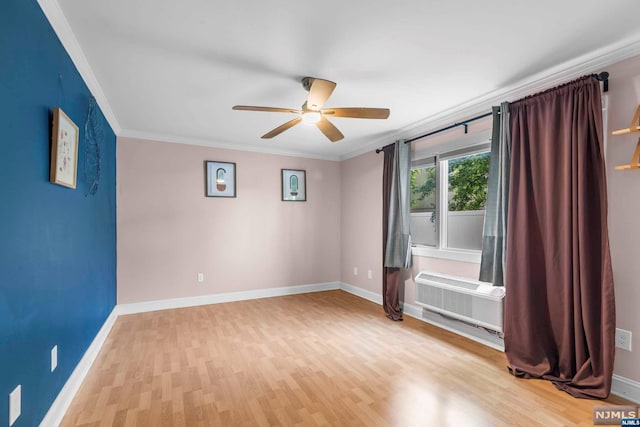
(495, 221)
(398, 250)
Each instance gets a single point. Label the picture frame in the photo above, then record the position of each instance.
(294, 185)
(64, 150)
(220, 179)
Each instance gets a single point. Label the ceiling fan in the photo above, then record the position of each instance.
(312, 112)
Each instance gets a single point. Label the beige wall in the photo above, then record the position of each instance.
(361, 219)
(168, 231)
(624, 210)
(362, 222)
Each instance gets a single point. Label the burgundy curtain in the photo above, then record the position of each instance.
(559, 308)
(390, 275)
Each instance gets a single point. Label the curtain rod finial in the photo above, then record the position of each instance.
(604, 78)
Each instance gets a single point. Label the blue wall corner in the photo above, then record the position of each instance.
(57, 246)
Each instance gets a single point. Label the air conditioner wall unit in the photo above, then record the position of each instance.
(471, 301)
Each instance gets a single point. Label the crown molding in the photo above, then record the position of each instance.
(588, 63)
(61, 27)
(148, 136)
(585, 64)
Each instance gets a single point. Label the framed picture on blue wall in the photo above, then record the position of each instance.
(220, 179)
(294, 185)
(64, 150)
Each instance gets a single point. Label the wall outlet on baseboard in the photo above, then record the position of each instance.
(369, 274)
(200, 277)
(15, 404)
(54, 358)
(623, 339)
(355, 271)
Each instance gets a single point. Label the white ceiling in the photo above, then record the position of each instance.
(172, 70)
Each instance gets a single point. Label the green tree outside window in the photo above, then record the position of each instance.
(467, 185)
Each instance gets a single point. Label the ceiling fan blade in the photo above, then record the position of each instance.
(329, 130)
(357, 113)
(268, 109)
(277, 131)
(319, 92)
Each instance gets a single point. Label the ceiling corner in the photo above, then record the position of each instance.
(589, 63)
(59, 23)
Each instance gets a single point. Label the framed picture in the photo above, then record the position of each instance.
(64, 150)
(294, 185)
(220, 179)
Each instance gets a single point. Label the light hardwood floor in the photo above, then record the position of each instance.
(326, 358)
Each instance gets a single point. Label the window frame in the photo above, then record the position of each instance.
(442, 154)
(423, 162)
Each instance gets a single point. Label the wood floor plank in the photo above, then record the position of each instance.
(326, 358)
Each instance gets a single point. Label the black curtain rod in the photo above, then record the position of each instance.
(455, 125)
(603, 77)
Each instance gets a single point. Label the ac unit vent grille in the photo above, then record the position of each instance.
(457, 302)
(471, 301)
(430, 295)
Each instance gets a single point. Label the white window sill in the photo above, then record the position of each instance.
(456, 255)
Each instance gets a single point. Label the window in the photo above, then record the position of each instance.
(448, 199)
(423, 202)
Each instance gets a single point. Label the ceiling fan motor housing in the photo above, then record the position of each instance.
(307, 82)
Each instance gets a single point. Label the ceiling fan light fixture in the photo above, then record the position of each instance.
(311, 117)
(313, 113)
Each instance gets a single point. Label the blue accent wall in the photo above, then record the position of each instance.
(57, 246)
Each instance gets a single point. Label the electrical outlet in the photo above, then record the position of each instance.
(200, 277)
(355, 271)
(54, 358)
(15, 405)
(369, 274)
(623, 339)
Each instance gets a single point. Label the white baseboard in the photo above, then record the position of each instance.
(626, 388)
(621, 386)
(412, 310)
(479, 335)
(362, 293)
(61, 404)
(166, 304)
